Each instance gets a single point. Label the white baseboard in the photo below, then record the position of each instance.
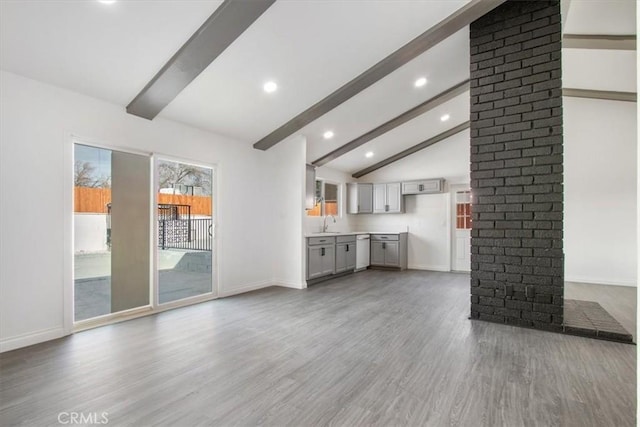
(596, 281)
(32, 338)
(246, 288)
(444, 268)
(287, 284)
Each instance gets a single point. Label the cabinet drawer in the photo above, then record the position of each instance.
(385, 237)
(346, 239)
(311, 241)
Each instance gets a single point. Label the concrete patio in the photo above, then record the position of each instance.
(182, 274)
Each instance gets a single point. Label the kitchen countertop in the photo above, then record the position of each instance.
(350, 233)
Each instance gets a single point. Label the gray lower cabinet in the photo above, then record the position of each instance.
(321, 260)
(345, 253)
(389, 250)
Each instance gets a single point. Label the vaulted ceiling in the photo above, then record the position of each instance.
(309, 48)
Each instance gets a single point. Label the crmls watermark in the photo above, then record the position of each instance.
(83, 418)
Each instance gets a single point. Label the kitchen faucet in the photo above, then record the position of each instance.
(325, 226)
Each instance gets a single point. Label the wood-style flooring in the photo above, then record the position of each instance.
(374, 348)
(619, 301)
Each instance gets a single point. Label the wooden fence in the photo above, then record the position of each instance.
(95, 200)
(200, 205)
(330, 208)
(91, 200)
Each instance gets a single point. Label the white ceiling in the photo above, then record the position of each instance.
(309, 47)
(444, 66)
(411, 133)
(105, 51)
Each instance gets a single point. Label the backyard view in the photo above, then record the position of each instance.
(184, 227)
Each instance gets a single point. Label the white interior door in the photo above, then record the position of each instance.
(461, 260)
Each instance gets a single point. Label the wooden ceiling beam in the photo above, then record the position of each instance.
(219, 31)
(409, 151)
(434, 35)
(591, 41)
(411, 114)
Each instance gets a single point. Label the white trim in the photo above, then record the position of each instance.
(153, 214)
(68, 257)
(77, 139)
(443, 267)
(135, 313)
(68, 234)
(108, 319)
(185, 302)
(453, 189)
(596, 281)
(449, 226)
(31, 338)
(215, 278)
(246, 288)
(287, 284)
(69, 305)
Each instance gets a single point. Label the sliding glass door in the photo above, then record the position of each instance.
(112, 206)
(119, 228)
(185, 230)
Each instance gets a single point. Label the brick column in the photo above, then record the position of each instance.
(517, 262)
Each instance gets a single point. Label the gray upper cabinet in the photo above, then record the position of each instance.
(387, 198)
(425, 186)
(310, 188)
(359, 198)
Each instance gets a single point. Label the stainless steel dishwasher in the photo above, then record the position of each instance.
(362, 251)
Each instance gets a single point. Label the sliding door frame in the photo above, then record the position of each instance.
(69, 324)
(214, 293)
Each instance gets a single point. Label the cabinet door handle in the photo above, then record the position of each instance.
(347, 248)
(386, 208)
(384, 245)
(421, 187)
(322, 254)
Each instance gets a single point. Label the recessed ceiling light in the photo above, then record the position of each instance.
(107, 1)
(328, 134)
(369, 154)
(420, 82)
(270, 87)
(444, 118)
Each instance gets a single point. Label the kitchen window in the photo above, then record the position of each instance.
(326, 199)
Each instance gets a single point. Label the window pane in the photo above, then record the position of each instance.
(111, 231)
(185, 230)
(330, 199)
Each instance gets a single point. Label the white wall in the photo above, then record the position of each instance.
(90, 232)
(600, 166)
(288, 159)
(426, 216)
(36, 121)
